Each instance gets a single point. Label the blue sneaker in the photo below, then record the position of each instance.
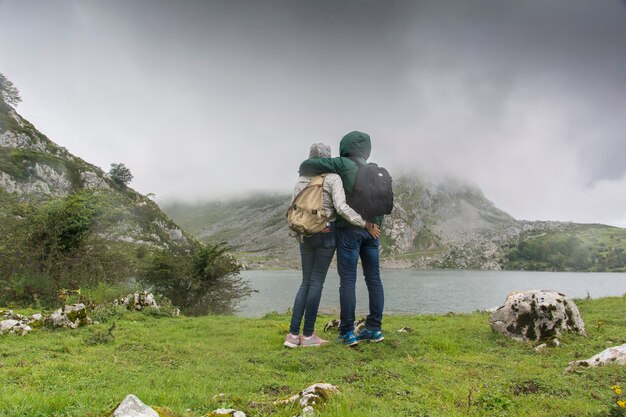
(371, 335)
(348, 339)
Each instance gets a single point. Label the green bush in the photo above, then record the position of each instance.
(52, 250)
(205, 281)
(53, 246)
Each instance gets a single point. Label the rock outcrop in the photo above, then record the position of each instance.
(138, 301)
(17, 323)
(70, 317)
(14, 326)
(613, 355)
(536, 315)
(133, 407)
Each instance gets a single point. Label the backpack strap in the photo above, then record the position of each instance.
(317, 181)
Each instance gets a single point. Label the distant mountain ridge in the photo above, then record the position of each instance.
(435, 224)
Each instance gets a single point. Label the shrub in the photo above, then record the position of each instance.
(205, 281)
(54, 246)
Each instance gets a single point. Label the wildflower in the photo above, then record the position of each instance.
(621, 404)
(617, 389)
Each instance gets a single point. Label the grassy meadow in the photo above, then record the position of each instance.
(449, 365)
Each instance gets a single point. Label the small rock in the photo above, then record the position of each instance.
(613, 355)
(8, 325)
(405, 330)
(25, 329)
(359, 325)
(306, 412)
(334, 325)
(312, 395)
(316, 394)
(219, 397)
(133, 407)
(331, 325)
(36, 317)
(226, 412)
(36, 320)
(541, 347)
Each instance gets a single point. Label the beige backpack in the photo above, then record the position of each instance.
(306, 214)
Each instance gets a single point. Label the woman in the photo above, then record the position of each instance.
(316, 252)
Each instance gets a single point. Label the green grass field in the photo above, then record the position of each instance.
(451, 365)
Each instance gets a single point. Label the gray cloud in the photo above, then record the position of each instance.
(212, 99)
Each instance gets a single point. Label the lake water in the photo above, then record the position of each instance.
(410, 291)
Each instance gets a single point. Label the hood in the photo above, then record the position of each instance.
(355, 144)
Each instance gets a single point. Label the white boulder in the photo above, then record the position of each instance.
(536, 315)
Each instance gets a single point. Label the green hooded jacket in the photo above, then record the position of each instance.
(353, 146)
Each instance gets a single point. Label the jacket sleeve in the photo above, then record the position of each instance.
(316, 166)
(339, 202)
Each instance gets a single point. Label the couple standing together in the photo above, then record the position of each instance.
(347, 231)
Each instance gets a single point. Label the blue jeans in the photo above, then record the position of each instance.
(316, 252)
(353, 243)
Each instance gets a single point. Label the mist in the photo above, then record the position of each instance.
(216, 99)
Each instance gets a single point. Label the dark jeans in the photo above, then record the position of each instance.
(316, 252)
(354, 243)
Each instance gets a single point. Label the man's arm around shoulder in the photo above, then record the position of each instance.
(316, 166)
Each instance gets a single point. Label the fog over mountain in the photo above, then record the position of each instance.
(210, 99)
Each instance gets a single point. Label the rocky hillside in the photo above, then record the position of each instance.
(253, 227)
(35, 169)
(435, 224)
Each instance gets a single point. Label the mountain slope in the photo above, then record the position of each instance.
(253, 227)
(35, 169)
(435, 224)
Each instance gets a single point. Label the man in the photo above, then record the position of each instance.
(354, 243)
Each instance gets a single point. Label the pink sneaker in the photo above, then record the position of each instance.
(292, 341)
(313, 340)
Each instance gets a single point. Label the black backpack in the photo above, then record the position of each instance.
(372, 194)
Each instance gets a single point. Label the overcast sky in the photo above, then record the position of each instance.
(203, 99)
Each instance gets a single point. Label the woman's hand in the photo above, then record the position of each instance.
(373, 229)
